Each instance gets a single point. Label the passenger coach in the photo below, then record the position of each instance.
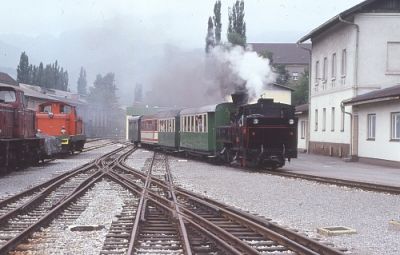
(198, 127)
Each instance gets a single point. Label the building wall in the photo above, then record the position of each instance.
(382, 147)
(337, 125)
(281, 96)
(379, 50)
(375, 56)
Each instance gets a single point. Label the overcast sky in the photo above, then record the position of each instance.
(181, 21)
(130, 37)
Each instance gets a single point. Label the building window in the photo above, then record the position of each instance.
(395, 124)
(333, 69)
(344, 63)
(325, 73)
(393, 60)
(316, 120)
(316, 71)
(303, 129)
(371, 126)
(333, 119)
(323, 119)
(295, 76)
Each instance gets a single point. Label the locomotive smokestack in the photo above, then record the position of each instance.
(240, 98)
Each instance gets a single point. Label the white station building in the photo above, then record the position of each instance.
(354, 109)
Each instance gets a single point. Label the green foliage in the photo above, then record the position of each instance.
(23, 69)
(210, 40)
(52, 76)
(82, 83)
(103, 93)
(237, 26)
(269, 55)
(217, 21)
(282, 74)
(300, 95)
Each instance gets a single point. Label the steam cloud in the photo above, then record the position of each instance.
(194, 78)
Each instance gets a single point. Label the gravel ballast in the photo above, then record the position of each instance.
(298, 204)
(18, 181)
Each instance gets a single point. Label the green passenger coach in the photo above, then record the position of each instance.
(198, 127)
(168, 129)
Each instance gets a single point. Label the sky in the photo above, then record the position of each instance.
(129, 37)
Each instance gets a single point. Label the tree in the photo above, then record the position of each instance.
(217, 21)
(210, 40)
(269, 55)
(104, 91)
(283, 74)
(23, 69)
(82, 83)
(237, 25)
(300, 95)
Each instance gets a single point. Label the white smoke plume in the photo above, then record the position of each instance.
(193, 78)
(246, 70)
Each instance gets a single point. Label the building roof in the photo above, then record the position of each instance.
(300, 109)
(368, 6)
(284, 53)
(51, 94)
(391, 93)
(7, 79)
(283, 86)
(29, 92)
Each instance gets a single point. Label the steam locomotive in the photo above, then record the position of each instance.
(262, 134)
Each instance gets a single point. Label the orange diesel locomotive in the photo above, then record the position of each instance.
(60, 119)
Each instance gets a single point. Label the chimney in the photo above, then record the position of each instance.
(240, 98)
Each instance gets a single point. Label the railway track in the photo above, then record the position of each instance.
(155, 217)
(339, 182)
(25, 213)
(207, 225)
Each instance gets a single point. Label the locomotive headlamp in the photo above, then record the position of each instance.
(291, 121)
(255, 121)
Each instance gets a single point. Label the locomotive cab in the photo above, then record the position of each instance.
(61, 120)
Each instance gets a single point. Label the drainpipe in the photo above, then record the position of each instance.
(355, 85)
(309, 97)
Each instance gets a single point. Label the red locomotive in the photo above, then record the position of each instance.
(19, 145)
(60, 119)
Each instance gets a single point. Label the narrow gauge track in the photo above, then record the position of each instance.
(93, 147)
(28, 211)
(339, 182)
(158, 219)
(204, 226)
